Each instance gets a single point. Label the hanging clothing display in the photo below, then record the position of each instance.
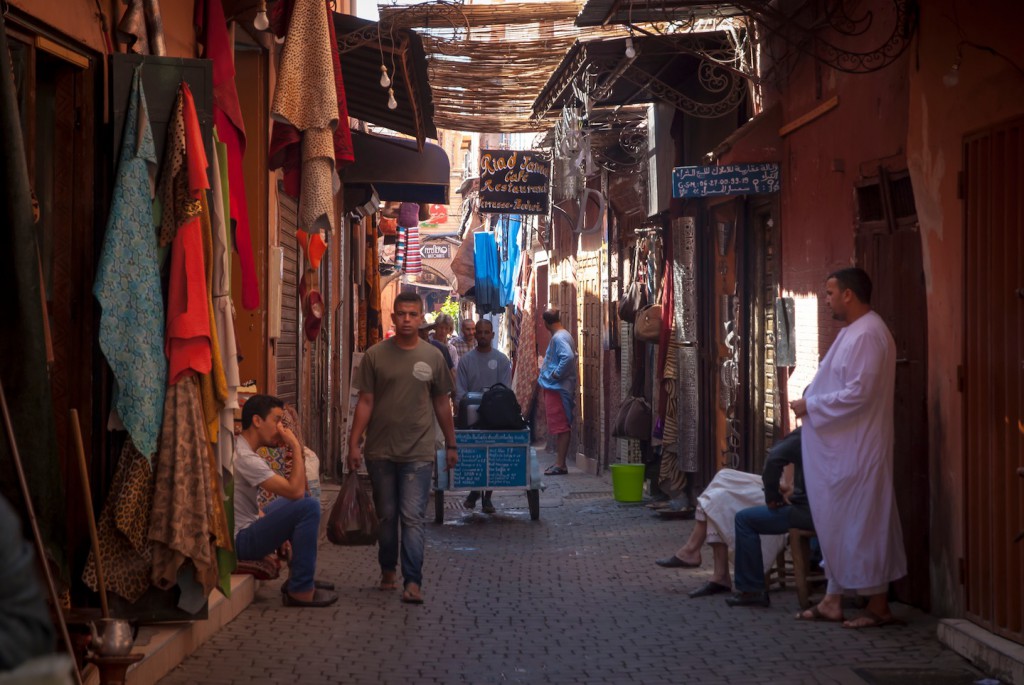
(131, 330)
(671, 476)
(218, 46)
(141, 28)
(526, 369)
(180, 521)
(307, 98)
(183, 182)
(413, 258)
(488, 287)
(213, 385)
(509, 257)
(122, 529)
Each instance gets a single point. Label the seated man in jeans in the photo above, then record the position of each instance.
(781, 512)
(292, 517)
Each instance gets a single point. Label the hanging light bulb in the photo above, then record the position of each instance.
(261, 23)
(392, 102)
(384, 80)
(630, 50)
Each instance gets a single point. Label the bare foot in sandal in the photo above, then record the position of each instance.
(388, 581)
(412, 594)
(830, 608)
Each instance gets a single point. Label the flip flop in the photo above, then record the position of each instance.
(816, 615)
(556, 470)
(411, 597)
(388, 585)
(873, 620)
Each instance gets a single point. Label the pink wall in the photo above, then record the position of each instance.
(989, 91)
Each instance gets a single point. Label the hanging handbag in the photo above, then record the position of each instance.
(648, 324)
(634, 417)
(635, 296)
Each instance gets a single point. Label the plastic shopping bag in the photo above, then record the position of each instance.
(353, 520)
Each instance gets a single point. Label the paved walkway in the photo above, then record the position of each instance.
(572, 598)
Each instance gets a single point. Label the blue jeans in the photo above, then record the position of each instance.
(294, 520)
(400, 494)
(751, 524)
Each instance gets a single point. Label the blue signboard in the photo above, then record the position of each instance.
(491, 459)
(727, 179)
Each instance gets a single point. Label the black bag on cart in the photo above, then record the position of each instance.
(500, 410)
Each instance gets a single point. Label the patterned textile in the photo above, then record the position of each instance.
(179, 524)
(188, 343)
(306, 97)
(400, 248)
(526, 369)
(124, 548)
(142, 28)
(128, 284)
(213, 385)
(460, 345)
(280, 458)
(218, 46)
(671, 478)
(413, 259)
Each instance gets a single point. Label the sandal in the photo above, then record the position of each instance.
(814, 614)
(410, 596)
(869, 619)
(388, 584)
(556, 470)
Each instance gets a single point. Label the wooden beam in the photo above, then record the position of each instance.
(807, 118)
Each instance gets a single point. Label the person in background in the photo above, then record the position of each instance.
(465, 342)
(26, 631)
(403, 387)
(444, 326)
(479, 369)
(425, 330)
(558, 382)
(292, 517)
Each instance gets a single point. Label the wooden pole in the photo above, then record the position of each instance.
(83, 470)
(37, 537)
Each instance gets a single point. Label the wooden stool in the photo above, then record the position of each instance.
(778, 572)
(803, 575)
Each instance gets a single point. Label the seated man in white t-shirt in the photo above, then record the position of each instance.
(292, 517)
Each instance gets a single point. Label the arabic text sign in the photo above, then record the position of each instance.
(514, 182)
(436, 251)
(491, 459)
(727, 179)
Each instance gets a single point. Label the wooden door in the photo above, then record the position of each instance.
(888, 245)
(993, 367)
(589, 346)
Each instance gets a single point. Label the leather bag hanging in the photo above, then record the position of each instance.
(634, 417)
(648, 324)
(635, 296)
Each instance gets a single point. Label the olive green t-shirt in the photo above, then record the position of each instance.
(403, 384)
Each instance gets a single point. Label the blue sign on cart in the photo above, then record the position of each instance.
(491, 459)
(726, 179)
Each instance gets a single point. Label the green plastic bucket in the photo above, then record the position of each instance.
(628, 482)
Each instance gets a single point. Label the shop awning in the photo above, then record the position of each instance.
(606, 12)
(690, 71)
(361, 44)
(398, 170)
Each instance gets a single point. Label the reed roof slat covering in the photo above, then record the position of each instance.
(487, 63)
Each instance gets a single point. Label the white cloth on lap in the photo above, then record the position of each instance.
(727, 493)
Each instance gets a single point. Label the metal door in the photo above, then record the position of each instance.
(993, 367)
(589, 343)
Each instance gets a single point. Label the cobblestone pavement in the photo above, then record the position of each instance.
(572, 598)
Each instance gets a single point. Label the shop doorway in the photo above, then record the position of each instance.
(993, 376)
(888, 247)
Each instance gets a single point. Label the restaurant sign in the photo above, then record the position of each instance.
(514, 182)
(727, 179)
(436, 251)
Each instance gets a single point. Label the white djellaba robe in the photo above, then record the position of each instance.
(729, 492)
(848, 457)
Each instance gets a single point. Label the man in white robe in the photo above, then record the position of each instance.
(847, 415)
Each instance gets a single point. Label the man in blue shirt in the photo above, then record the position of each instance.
(558, 383)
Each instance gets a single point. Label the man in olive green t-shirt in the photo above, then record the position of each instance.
(403, 384)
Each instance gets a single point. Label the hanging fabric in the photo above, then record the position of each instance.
(141, 28)
(217, 45)
(131, 330)
(510, 257)
(183, 181)
(485, 259)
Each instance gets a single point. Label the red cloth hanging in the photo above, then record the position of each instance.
(188, 315)
(212, 34)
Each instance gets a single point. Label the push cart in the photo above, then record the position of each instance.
(490, 460)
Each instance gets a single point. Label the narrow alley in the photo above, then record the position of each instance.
(574, 597)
